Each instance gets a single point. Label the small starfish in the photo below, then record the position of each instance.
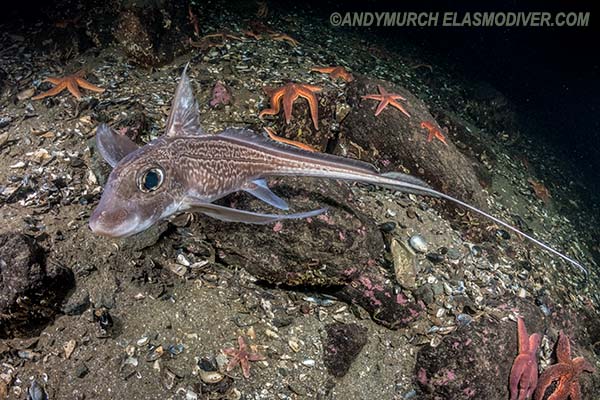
(433, 132)
(290, 92)
(565, 371)
(276, 138)
(69, 82)
(242, 357)
(335, 72)
(251, 34)
(386, 98)
(524, 371)
(222, 35)
(282, 37)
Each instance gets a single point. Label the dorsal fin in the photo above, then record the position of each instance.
(250, 137)
(184, 116)
(112, 146)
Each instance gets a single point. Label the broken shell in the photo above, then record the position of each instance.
(435, 341)
(182, 260)
(211, 376)
(155, 353)
(294, 345)
(36, 392)
(208, 371)
(19, 164)
(404, 264)
(418, 243)
(178, 269)
(69, 347)
(464, 319)
(25, 94)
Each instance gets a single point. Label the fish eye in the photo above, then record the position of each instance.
(151, 180)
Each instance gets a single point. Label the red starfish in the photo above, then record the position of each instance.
(386, 98)
(433, 132)
(69, 82)
(565, 371)
(241, 357)
(335, 72)
(524, 372)
(290, 92)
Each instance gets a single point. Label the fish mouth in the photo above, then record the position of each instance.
(115, 224)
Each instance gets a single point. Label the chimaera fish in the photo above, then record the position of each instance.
(186, 169)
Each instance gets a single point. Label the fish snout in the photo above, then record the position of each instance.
(110, 223)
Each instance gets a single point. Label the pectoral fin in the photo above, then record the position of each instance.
(248, 217)
(112, 146)
(259, 189)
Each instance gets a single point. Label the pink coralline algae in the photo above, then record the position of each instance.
(220, 95)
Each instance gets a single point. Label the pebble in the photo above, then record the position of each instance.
(464, 319)
(183, 261)
(453, 254)
(418, 243)
(388, 227)
(435, 258)
(476, 250)
(36, 392)
(309, 362)
(502, 234)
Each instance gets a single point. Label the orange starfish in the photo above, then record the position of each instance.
(251, 34)
(276, 138)
(69, 82)
(524, 371)
(289, 93)
(335, 72)
(433, 132)
(282, 37)
(566, 372)
(242, 357)
(386, 98)
(221, 35)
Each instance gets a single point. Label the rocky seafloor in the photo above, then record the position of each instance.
(387, 296)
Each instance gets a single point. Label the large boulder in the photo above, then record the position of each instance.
(396, 142)
(32, 289)
(341, 251)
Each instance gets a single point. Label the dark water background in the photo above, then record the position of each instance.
(552, 74)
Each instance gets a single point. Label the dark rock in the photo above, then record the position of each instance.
(425, 293)
(81, 370)
(388, 227)
(388, 307)
(149, 32)
(321, 251)
(32, 290)
(393, 140)
(334, 250)
(77, 303)
(435, 258)
(344, 343)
